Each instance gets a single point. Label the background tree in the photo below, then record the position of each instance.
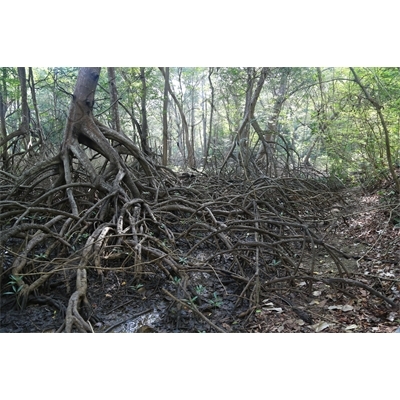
(112, 84)
(378, 107)
(243, 131)
(165, 119)
(185, 127)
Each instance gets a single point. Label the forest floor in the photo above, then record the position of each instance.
(365, 228)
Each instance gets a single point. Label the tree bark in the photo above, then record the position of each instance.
(267, 147)
(115, 121)
(3, 110)
(145, 130)
(189, 146)
(250, 107)
(208, 142)
(81, 128)
(25, 118)
(39, 130)
(165, 119)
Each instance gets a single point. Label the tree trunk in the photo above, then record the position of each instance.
(25, 119)
(207, 147)
(115, 121)
(185, 128)
(192, 125)
(82, 128)
(204, 112)
(144, 131)
(3, 111)
(378, 107)
(250, 107)
(39, 130)
(165, 119)
(267, 136)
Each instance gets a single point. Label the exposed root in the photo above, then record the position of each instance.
(73, 317)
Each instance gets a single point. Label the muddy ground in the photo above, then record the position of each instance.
(365, 228)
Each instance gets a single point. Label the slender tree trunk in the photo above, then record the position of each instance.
(25, 119)
(145, 129)
(204, 121)
(267, 147)
(378, 107)
(249, 111)
(165, 119)
(185, 128)
(3, 111)
(180, 139)
(244, 134)
(192, 125)
(39, 129)
(112, 85)
(306, 160)
(207, 147)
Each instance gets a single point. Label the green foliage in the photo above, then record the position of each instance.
(135, 288)
(176, 280)
(200, 289)
(323, 109)
(216, 301)
(15, 283)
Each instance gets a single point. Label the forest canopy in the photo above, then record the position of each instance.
(328, 117)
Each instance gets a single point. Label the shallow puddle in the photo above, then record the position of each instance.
(144, 322)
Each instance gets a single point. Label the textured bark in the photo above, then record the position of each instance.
(145, 129)
(24, 100)
(3, 110)
(165, 119)
(38, 130)
(268, 135)
(249, 110)
(207, 145)
(115, 121)
(189, 145)
(82, 128)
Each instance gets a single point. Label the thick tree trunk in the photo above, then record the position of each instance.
(82, 105)
(82, 128)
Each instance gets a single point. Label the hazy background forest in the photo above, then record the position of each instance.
(321, 118)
